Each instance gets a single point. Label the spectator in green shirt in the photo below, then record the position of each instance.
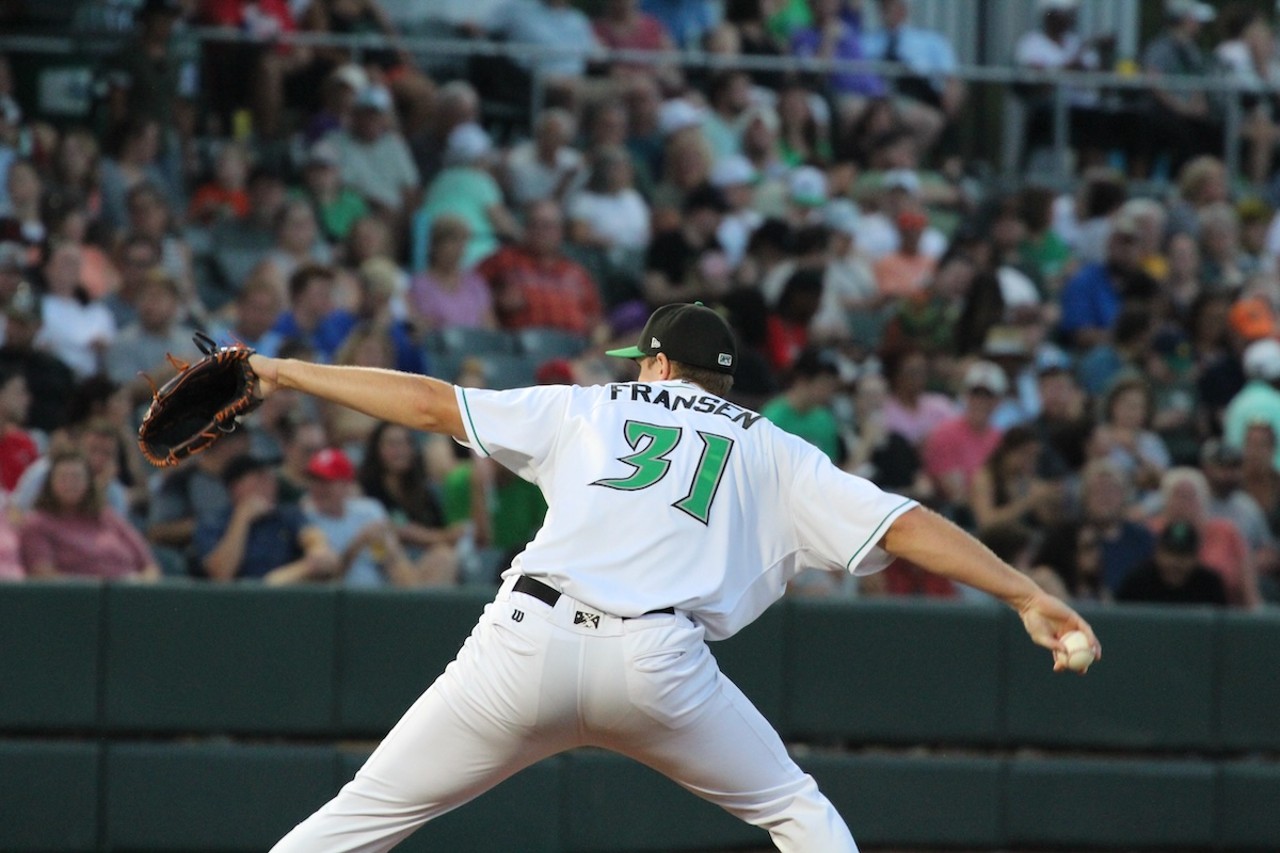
(338, 208)
(804, 409)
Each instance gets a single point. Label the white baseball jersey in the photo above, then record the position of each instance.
(662, 494)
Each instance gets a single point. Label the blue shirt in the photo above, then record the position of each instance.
(272, 541)
(268, 343)
(533, 22)
(409, 357)
(1089, 300)
(926, 52)
(686, 20)
(329, 333)
(806, 42)
(1134, 546)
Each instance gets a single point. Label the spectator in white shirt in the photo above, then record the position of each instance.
(545, 167)
(1248, 57)
(549, 23)
(609, 212)
(374, 158)
(76, 329)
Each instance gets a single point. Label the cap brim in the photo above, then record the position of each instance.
(628, 352)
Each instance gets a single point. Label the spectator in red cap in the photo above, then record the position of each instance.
(357, 528)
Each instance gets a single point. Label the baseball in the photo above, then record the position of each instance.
(1079, 651)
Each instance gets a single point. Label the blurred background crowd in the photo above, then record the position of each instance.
(1084, 372)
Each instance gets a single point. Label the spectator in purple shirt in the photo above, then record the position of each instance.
(836, 34)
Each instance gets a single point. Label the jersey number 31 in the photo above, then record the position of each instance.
(652, 461)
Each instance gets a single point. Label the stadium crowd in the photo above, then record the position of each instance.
(1090, 380)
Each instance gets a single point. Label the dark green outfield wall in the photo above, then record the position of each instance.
(185, 717)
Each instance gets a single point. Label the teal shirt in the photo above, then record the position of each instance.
(818, 426)
(1257, 401)
(468, 194)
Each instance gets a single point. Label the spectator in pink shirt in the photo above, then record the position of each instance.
(72, 532)
(623, 26)
(957, 448)
(910, 410)
(446, 293)
(10, 551)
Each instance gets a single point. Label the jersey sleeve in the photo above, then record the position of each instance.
(517, 428)
(839, 518)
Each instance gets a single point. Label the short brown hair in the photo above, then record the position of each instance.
(303, 276)
(709, 380)
(90, 505)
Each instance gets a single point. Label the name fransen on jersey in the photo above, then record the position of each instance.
(639, 392)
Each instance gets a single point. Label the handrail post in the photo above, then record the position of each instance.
(1061, 134)
(1231, 134)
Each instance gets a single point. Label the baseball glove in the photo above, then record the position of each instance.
(198, 406)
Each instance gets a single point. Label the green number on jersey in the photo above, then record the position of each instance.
(706, 480)
(651, 464)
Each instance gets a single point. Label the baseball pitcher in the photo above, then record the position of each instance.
(676, 517)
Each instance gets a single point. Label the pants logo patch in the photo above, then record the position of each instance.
(591, 620)
(517, 615)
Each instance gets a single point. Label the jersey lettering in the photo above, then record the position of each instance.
(672, 399)
(651, 464)
(706, 405)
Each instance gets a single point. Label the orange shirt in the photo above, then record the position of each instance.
(210, 199)
(903, 275)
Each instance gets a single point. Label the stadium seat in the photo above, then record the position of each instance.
(468, 341)
(510, 371)
(550, 343)
(444, 365)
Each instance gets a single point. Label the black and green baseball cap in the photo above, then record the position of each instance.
(690, 333)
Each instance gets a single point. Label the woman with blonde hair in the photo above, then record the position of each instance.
(447, 293)
(1184, 496)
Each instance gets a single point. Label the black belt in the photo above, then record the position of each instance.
(549, 595)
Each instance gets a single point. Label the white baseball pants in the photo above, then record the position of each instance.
(534, 680)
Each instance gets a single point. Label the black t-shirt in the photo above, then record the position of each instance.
(1144, 584)
(896, 463)
(674, 256)
(50, 381)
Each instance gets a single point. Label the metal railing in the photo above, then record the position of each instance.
(1062, 84)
